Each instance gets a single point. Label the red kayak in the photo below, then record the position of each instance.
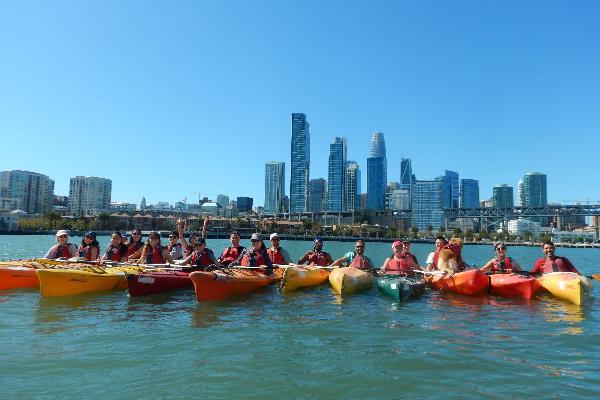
(470, 283)
(147, 283)
(513, 285)
(219, 285)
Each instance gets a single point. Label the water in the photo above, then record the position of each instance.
(308, 344)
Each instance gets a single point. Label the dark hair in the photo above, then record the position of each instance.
(94, 243)
(193, 234)
(441, 237)
(117, 233)
(234, 233)
(548, 242)
(154, 234)
(131, 241)
(200, 241)
(174, 233)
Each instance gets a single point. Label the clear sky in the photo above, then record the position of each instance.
(174, 98)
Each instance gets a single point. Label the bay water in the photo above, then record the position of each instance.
(306, 344)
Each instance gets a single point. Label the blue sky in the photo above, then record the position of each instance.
(171, 99)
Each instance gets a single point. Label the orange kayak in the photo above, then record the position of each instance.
(219, 285)
(470, 283)
(513, 285)
(18, 277)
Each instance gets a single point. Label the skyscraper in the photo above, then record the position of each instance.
(520, 193)
(502, 196)
(244, 204)
(223, 200)
(352, 189)
(469, 193)
(535, 192)
(451, 189)
(300, 165)
(88, 195)
(318, 190)
(427, 204)
(406, 175)
(274, 186)
(376, 173)
(337, 175)
(27, 191)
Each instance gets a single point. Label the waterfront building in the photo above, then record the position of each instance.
(376, 173)
(27, 191)
(274, 186)
(244, 204)
(524, 228)
(397, 199)
(363, 201)
(469, 193)
(575, 236)
(489, 203)
(88, 195)
(300, 163)
(9, 221)
(451, 189)
(223, 200)
(352, 186)
(122, 206)
(520, 193)
(318, 195)
(336, 174)
(502, 196)
(427, 204)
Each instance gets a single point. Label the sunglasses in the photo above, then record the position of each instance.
(136, 234)
(360, 247)
(63, 236)
(500, 248)
(173, 237)
(275, 239)
(254, 240)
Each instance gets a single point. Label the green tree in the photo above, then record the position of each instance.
(52, 217)
(415, 232)
(102, 219)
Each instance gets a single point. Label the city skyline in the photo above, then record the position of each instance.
(457, 86)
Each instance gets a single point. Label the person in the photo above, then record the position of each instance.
(63, 249)
(116, 250)
(356, 258)
(501, 264)
(402, 261)
(233, 252)
(174, 247)
(256, 255)
(440, 242)
(153, 252)
(135, 245)
(188, 248)
(450, 257)
(89, 249)
(201, 257)
(277, 254)
(125, 238)
(317, 256)
(552, 262)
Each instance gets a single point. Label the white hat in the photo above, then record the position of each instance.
(62, 232)
(273, 235)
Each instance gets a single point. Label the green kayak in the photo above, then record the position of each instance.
(401, 288)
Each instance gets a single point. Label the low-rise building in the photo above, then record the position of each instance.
(523, 227)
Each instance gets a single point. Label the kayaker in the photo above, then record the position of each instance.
(317, 256)
(116, 250)
(233, 252)
(256, 255)
(501, 264)
(450, 257)
(440, 242)
(277, 254)
(401, 262)
(89, 249)
(153, 252)
(63, 249)
(188, 247)
(201, 257)
(174, 247)
(136, 244)
(552, 262)
(356, 258)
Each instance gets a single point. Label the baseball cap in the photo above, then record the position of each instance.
(90, 234)
(255, 236)
(273, 235)
(62, 232)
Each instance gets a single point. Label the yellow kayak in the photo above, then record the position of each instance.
(297, 276)
(567, 286)
(347, 280)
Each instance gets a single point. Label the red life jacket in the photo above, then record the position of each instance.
(399, 266)
(559, 264)
(154, 256)
(201, 259)
(275, 256)
(58, 251)
(360, 262)
(115, 253)
(231, 254)
(258, 260)
(320, 259)
(502, 267)
(188, 251)
(133, 247)
(436, 255)
(86, 252)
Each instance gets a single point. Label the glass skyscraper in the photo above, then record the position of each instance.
(352, 195)
(427, 204)
(337, 175)
(502, 196)
(318, 193)
(376, 173)
(469, 193)
(406, 175)
(451, 189)
(274, 186)
(535, 192)
(300, 165)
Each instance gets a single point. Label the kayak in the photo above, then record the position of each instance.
(567, 286)
(296, 276)
(513, 285)
(221, 284)
(152, 282)
(347, 280)
(401, 288)
(470, 283)
(13, 277)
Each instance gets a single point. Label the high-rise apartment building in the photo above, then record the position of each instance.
(352, 189)
(535, 191)
(427, 204)
(88, 195)
(502, 196)
(244, 204)
(376, 173)
(451, 189)
(520, 188)
(336, 175)
(300, 164)
(27, 191)
(469, 193)
(318, 194)
(274, 186)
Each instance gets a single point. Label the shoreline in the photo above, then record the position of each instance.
(224, 235)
